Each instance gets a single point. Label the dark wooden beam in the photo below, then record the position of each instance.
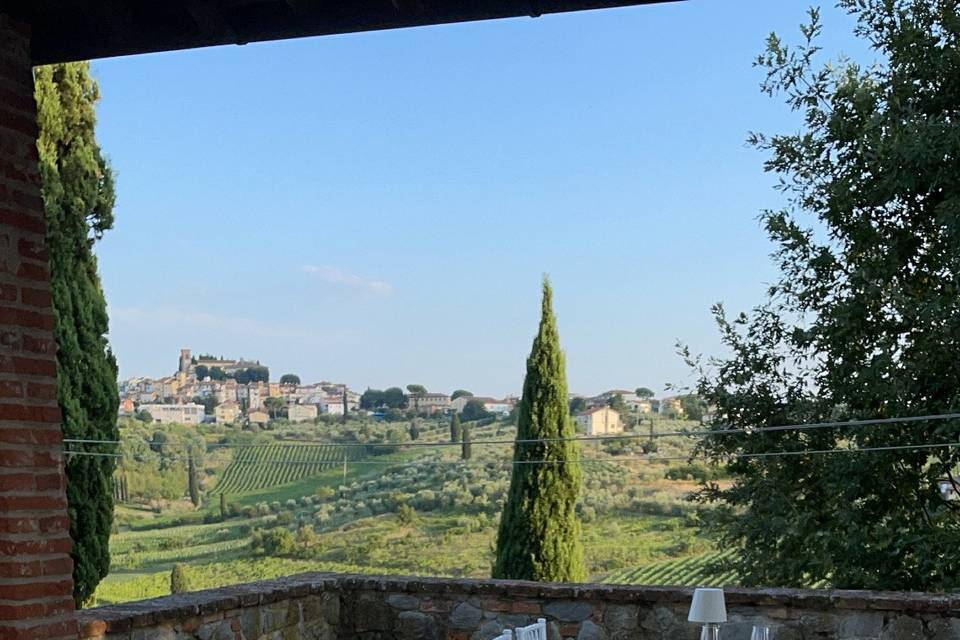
(82, 29)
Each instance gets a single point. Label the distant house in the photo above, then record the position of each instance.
(671, 405)
(490, 404)
(175, 413)
(127, 408)
(498, 406)
(258, 417)
(301, 412)
(600, 421)
(227, 412)
(332, 408)
(458, 404)
(429, 402)
(639, 405)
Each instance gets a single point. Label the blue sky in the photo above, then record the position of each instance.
(378, 208)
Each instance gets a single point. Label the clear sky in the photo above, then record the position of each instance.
(378, 208)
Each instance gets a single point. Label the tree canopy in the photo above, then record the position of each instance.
(644, 393)
(863, 322)
(474, 410)
(78, 197)
(578, 404)
(539, 534)
(617, 403)
(459, 393)
(289, 378)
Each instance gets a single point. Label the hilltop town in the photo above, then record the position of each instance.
(214, 389)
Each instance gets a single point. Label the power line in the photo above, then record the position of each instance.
(627, 436)
(612, 459)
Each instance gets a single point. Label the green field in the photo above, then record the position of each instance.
(261, 466)
(699, 570)
(637, 525)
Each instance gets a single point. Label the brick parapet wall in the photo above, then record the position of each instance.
(319, 606)
(35, 566)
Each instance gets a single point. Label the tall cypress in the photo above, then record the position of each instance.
(455, 427)
(466, 447)
(193, 487)
(78, 197)
(539, 536)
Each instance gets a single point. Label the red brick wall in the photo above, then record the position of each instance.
(35, 566)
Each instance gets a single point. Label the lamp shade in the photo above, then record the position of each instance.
(708, 607)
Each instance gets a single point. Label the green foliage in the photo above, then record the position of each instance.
(617, 404)
(414, 430)
(577, 405)
(693, 471)
(393, 398)
(193, 483)
(406, 515)
(459, 393)
(202, 371)
(862, 322)
(704, 570)
(474, 410)
(644, 393)
(209, 403)
(78, 197)
(223, 507)
(179, 580)
(144, 416)
(274, 542)
(275, 406)
(694, 407)
(416, 389)
(274, 464)
(539, 534)
(466, 445)
(456, 430)
(289, 378)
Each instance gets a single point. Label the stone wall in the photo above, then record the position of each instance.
(320, 606)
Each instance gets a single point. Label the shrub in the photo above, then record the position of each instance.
(179, 581)
(275, 542)
(406, 515)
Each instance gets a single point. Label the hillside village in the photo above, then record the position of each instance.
(214, 389)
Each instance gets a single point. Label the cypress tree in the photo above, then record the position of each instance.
(466, 447)
(455, 430)
(223, 507)
(179, 580)
(78, 197)
(192, 484)
(539, 535)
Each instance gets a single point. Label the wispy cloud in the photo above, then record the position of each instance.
(334, 275)
(170, 318)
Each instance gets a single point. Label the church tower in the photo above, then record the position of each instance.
(185, 361)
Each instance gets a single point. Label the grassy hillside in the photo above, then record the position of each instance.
(292, 507)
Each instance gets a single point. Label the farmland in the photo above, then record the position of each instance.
(291, 505)
(261, 466)
(696, 570)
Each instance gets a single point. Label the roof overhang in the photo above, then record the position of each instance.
(65, 30)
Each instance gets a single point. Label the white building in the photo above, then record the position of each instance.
(301, 412)
(174, 413)
(600, 421)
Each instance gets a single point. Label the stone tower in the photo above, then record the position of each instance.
(184, 361)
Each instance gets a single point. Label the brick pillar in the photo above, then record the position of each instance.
(35, 567)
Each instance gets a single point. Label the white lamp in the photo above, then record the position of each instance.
(709, 609)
